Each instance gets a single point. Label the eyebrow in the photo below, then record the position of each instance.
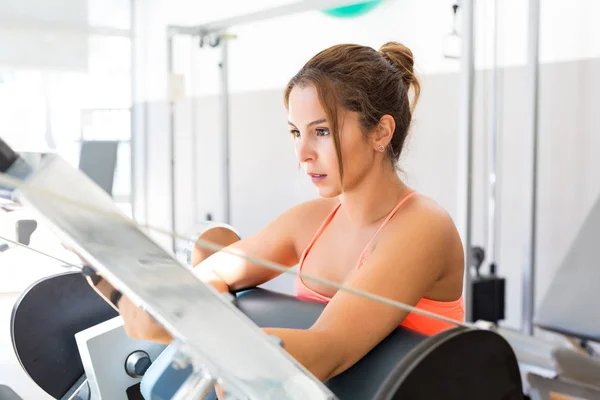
(315, 122)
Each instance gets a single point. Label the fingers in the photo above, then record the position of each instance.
(111, 295)
(220, 392)
(138, 324)
(72, 250)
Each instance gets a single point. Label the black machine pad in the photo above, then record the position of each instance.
(44, 322)
(270, 309)
(459, 363)
(456, 364)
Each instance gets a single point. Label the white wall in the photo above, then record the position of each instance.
(151, 179)
(266, 55)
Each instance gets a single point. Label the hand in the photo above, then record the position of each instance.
(220, 392)
(138, 324)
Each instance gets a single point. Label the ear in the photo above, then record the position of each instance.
(384, 131)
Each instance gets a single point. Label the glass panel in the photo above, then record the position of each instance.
(23, 110)
(106, 124)
(109, 13)
(122, 183)
(54, 110)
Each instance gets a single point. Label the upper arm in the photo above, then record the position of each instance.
(406, 263)
(275, 243)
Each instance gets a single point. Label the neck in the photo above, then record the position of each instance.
(374, 197)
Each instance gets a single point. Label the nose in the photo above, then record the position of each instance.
(305, 150)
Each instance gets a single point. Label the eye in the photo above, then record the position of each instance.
(295, 133)
(322, 132)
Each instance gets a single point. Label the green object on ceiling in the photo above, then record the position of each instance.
(353, 10)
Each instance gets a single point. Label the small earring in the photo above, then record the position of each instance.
(380, 148)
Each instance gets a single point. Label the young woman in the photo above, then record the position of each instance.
(349, 116)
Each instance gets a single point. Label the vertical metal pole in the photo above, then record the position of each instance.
(533, 72)
(194, 128)
(225, 127)
(494, 144)
(171, 104)
(132, 112)
(467, 84)
(146, 115)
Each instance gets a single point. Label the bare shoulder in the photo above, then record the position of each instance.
(307, 217)
(425, 214)
(425, 221)
(316, 209)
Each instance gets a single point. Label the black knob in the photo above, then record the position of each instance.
(477, 257)
(137, 364)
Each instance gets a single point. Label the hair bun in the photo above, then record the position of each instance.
(402, 57)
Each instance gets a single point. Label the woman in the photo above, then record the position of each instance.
(349, 115)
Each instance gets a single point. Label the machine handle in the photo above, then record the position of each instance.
(7, 156)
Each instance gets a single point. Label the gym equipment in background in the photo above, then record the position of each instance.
(488, 291)
(570, 307)
(6, 393)
(98, 160)
(353, 10)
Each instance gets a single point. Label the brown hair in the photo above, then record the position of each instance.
(363, 80)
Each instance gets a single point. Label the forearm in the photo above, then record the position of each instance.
(315, 350)
(206, 275)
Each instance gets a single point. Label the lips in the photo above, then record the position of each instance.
(316, 178)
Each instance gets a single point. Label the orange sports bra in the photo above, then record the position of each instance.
(427, 325)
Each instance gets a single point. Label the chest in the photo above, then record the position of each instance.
(335, 255)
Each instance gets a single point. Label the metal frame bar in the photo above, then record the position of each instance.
(542, 387)
(137, 111)
(467, 87)
(225, 134)
(493, 153)
(74, 28)
(194, 132)
(533, 71)
(256, 16)
(171, 105)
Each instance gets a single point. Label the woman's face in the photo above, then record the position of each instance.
(315, 147)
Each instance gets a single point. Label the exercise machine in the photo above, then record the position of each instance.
(218, 339)
(101, 355)
(96, 360)
(402, 365)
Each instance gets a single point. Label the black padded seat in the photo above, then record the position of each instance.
(457, 364)
(43, 325)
